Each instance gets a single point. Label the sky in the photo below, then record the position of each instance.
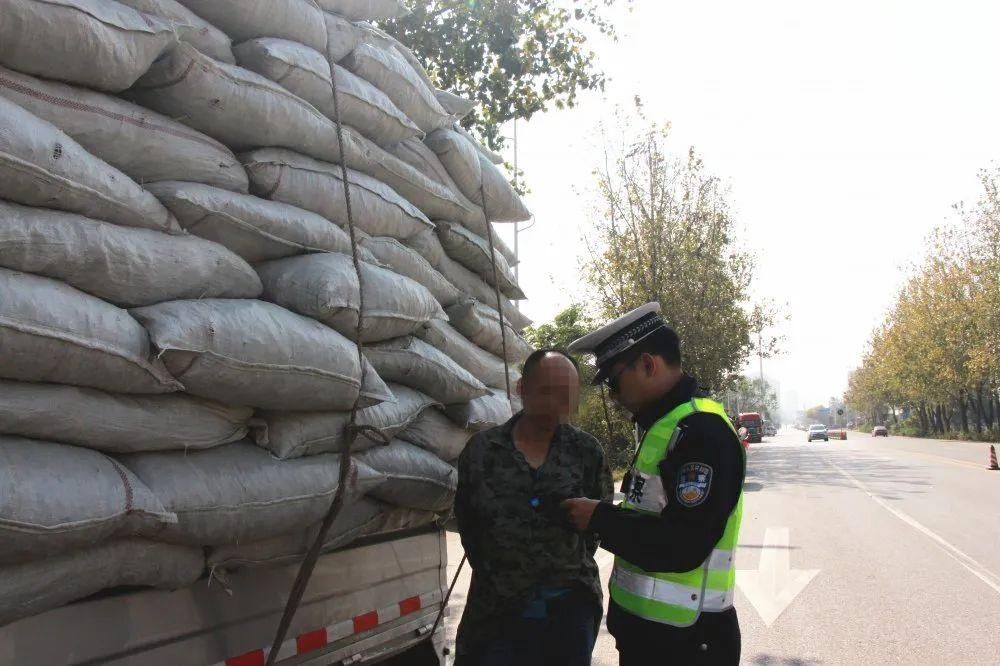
(845, 130)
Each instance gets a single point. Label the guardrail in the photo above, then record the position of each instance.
(838, 434)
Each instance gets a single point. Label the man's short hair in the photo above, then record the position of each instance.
(663, 342)
(535, 359)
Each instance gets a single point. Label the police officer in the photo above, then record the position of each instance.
(675, 533)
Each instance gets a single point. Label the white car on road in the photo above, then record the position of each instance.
(817, 431)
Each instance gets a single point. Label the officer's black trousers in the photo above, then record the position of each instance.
(714, 641)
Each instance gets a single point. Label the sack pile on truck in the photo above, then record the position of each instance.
(179, 302)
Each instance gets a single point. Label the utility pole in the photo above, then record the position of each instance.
(760, 359)
(517, 256)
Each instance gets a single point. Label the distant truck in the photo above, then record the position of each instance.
(754, 424)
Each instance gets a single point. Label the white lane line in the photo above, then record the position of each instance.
(974, 567)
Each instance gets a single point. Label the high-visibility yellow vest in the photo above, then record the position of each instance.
(677, 599)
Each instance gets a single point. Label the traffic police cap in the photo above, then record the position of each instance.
(616, 338)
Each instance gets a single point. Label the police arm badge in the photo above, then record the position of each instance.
(694, 481)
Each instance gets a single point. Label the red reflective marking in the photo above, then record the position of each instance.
(365, 622)
(255, 658)
(407, 606)
(310, 641)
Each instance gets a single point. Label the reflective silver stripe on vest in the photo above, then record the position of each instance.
(716, 600)
(720, 560)
(648, 587)
(646, 492)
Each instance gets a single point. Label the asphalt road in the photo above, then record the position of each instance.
(865, 551)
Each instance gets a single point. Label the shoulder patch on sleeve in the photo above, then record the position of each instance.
(694, 481)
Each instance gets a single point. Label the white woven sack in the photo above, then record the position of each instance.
(467, 282)
(239, 493)
(258, 354)
(51, 332)
(484, 366)
(474, 253)
(415, 152)
(301, 181)
(476, 288)
(365, 10)
(494, 157)
(118, 423)
(502, 202)
(35, 587)
(481, 324)
(325, 287)
(58, 497)
(189, 27)
(414, 363)
(95, 43)
(392, 74)
(239, 108)
(383, 40)
(342, 37)
(255, 229)
(513, 317)
(460, 159)
(433, 432)
(405, 261)
(294, 434)
(477, 177)
(457, 106)
(414, 478)
(42, 166)
(127, 267)
(398, 518)
(352, 522)
(483, 413)
(306, 73)
(428, 245)
(298, 20)
(145, 145)
(435, 200)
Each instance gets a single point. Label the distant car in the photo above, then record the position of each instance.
(880, 431)
(770, 430)
(818, 431)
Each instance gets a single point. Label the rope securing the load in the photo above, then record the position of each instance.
(506, 369)
(351, 430)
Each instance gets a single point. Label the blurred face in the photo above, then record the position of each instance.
(552, 389)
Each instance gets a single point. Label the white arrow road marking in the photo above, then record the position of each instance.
(773, 586)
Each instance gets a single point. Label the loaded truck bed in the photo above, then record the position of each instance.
(371, 601)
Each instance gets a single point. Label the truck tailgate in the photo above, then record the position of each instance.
(371, 598)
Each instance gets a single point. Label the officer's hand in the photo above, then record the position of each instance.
(579, 511)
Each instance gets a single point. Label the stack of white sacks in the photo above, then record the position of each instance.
(178, 302)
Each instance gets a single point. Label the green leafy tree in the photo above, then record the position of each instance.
(663, 231)
(751, 395)
(514, 57)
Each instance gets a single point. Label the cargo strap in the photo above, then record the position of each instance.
(506, 369)
(351, 430)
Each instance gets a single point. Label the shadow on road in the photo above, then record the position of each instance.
(787, 466)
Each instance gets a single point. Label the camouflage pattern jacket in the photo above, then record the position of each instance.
(513, 531)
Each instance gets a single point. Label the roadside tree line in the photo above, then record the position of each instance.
(934, 363)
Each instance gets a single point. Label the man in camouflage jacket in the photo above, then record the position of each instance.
(535, 597)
